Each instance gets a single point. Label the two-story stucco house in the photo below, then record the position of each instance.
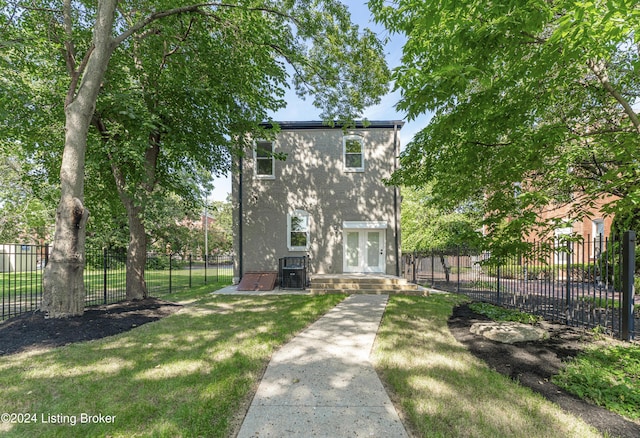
(327, 200)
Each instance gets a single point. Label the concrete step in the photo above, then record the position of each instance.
(359, 280)
(362, 285)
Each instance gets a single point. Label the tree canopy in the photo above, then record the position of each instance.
(532, 102)
(160, 93)
(428, 228)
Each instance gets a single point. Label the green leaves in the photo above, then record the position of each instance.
(524, 92)
(502, 314)
(609, 377)
(194, 83)
(426, 228)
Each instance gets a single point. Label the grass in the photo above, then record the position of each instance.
(189, 374)
(609, 377)
(185, 375)
(600, 303)
(23, 290)
(445, 391)
(190, 295)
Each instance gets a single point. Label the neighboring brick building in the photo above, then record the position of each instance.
(594, 227)
(327, 200)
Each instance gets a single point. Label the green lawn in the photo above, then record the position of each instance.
(185, 375)
(189, 374)
(445, 391)
(22, 288)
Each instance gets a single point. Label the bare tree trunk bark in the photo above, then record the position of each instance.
(136, 285)
(446, 268)
(64, 292)
(136, 255)
(134, 204)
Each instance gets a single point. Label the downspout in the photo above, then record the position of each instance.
(240, 221)
(396, 200)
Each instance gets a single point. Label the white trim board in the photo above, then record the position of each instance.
(364, 225)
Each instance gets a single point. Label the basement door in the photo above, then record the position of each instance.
(364, 247)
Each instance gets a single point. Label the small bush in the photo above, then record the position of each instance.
(157, 263)
(501, 314)
(609, 377)
(580, 272)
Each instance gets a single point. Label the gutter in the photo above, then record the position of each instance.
(396, 200)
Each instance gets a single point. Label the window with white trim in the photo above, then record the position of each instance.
(264, 159)
(598, 237)
(353, 148)
(298, 231)
(562, 246)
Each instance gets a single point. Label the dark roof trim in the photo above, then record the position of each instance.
(317, 124)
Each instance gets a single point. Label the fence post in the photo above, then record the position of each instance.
(568, 279)
(414, 277)
(46, 262)
(458, 263)
(628, 272)
(170, 270)
(105, 266)
(433, 267)
(190, 268)
(498, 283)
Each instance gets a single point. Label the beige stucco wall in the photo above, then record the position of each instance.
(313, 179)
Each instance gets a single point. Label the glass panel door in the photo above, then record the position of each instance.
(373, 251)
(352, 251)
(364, 251)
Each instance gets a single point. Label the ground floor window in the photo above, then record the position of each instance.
(298, 231)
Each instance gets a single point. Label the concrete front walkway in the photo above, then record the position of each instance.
(321, 384)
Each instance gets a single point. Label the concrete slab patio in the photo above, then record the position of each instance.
(322, 384)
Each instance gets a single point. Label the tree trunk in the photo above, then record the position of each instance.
(64, 293)
(137, 249)
(445, 267)
(136, 254)
(136, 286)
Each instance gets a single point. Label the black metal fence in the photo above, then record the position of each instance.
(573, 282)
(21, 269)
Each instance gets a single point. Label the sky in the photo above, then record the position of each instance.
(303, 110)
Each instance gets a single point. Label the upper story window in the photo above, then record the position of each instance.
(298, 231)
(353, 153)
(264, 159)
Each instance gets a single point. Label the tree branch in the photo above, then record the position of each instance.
(70, 50)
(181, 39)
(599, 69)
(489, 145)
(196, 8)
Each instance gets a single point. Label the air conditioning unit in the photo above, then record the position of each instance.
(293, 278)
(293, 272)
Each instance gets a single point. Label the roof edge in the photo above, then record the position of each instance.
(318, 124)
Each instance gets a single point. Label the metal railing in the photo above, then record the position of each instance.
(573, 282)
(22, 266)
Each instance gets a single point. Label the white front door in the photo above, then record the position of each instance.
(364, 250)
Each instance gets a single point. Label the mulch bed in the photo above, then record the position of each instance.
(31, 330)
(534, 363)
